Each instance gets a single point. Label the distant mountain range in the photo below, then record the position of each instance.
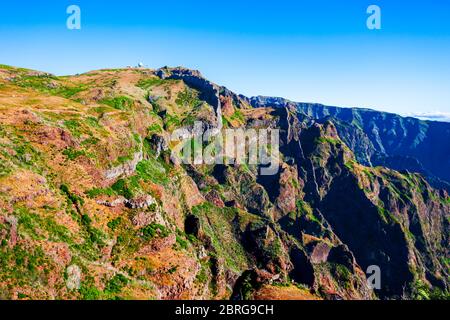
(384, 139)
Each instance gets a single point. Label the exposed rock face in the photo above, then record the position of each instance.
(125, 169)
(227, 105)
(214, 197)
(135, 203)
(289, 190)
(190, 189)
(141, 202)
(159, 144)
(113, 203)
(73, 277)
(143, 218)
(320, 253)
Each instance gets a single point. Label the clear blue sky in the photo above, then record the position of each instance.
(304, 50)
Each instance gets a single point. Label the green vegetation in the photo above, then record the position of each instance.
(23, 265)
(90, 142)
(90, 292)
(237, 116)
(247, 288)
(128, 187)
(94, 193)
(202, 275)
(127, 241)
(24, 155)
(368, 173)
(183, 244)
(73, 126)
(116, 284)
(72, 153)
(49, 84)
(83, 126)
(75, 199)
(386, 215)
(40, 227)
(152, 170)
(154, 128)
(421, 291)
(217, 225)
(304, 208)
(113, 224)
(189, 120)
(7, 67)
(153, 230)
(94, 237)
(295, 183)
(188, 98)
(171, 121)
(93, 122)
(137, 138)
(350, 165)
(119, 103)
(327, 140)
(149, 82)
(343, 274)
(69, 92)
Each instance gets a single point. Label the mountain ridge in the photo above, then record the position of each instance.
(435, 167)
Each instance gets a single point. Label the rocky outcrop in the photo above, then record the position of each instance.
(124, 169)
(289, 190)
(139, 202)
(144, 218)
(214, 197)
(116, 202)
(159, 143)
(209, 92)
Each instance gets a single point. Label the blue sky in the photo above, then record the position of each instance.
(304, 50)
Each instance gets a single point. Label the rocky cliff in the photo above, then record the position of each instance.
(385, 139)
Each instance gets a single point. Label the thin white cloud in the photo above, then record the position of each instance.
(434, 116)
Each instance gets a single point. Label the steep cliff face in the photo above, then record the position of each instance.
(385, 139)
(386, 218)
(92, 205)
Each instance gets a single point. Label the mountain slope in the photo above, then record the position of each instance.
(380, 138)
(92, 205)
